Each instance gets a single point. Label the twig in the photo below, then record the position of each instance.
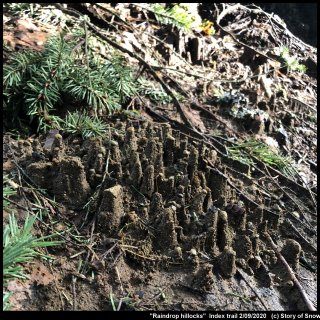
(282, 189)
(42, 222)
(74, 301)
(140, 256)
(118, 275)
(215, 117)
(94, 255)
(243, 298)
(151, 70)
(286, 180)
(16, 204)
(291, 274)
(89, 247)
(189, 132)
(169, 47)
(249, 285)
(229, 10)
(299, 235)
(113, 12)
(270, 18)
(116, 259)
(262, 189)
(285, 29)
(67, 298)
(104, 255)
(135, 56)
(157, 295)
(14, 160)
(309, 190)
(212, 167)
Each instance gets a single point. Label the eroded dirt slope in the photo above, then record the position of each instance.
(158, 215)
(169, 217)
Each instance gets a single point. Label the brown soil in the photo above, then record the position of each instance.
(156, 216)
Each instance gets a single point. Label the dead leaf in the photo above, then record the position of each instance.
(50, 138)
(26, 24)
(8, 165)
(41, 274)
(266, 85)
(195, 119)
(129, 39)
(21, 291)
(5, 214)
(13, 184)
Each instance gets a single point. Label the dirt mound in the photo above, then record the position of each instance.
(162, 205)
(179, 206)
